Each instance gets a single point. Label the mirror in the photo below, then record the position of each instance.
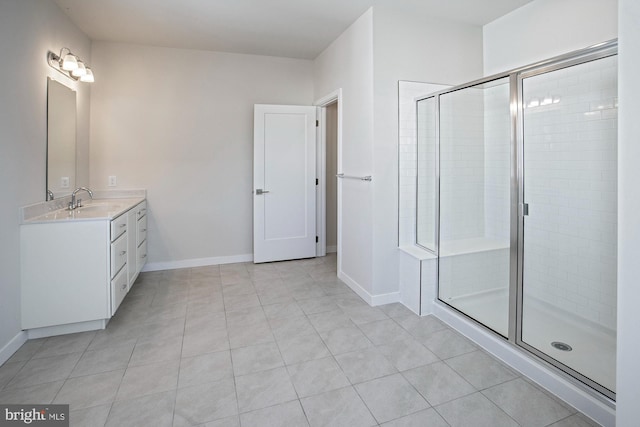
(61, 140)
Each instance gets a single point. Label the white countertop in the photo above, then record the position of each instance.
(91, 210)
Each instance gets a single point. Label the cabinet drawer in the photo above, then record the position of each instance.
(142, 229)
(119, 289)
(142, 255)
(118, 226)
(141, 210)
(118, 254)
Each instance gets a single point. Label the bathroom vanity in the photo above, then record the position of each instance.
(78, 265)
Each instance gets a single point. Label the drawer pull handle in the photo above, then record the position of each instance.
(123, 252)
(123, 225)
(143, 256)
(124, 286)
(143, 230)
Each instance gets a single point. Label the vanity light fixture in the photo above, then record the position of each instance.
(69, 64)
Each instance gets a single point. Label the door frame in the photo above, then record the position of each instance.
(321, 168)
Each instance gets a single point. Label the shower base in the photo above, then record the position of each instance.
(593, 347)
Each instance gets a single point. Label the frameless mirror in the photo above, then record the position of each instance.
(61, 140)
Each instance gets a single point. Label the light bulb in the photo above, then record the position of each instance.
(87, 77)
(80, 71)
(70, 62)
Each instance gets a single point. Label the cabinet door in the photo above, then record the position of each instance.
(142, 256)
(132, 219)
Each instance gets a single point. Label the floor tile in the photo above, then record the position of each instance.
(438, 383)
(337, 408)
(205, 368)
(95, 416)
(40, 393)
(407, 353)
(301, 348)
(233, 421)
(291, 326)
(148, 379)
(396, 309)
(206, 402)
(526, 404)
(244, 317)
(27, 350)
(282, 310)
(9, 370)
(103, 360)
(91, 390)
(154, 410)
(247, 360)
(383, 331)
(317, 376)
(448, 343)
(329, 320)
(421, 327)
(156, 350)
(365, 365)
(576, 420)
(209, 320)
(205, 341)
(45, 370)
(345, 340)
(390, 397)
(65, 344)
(425, 418)
(247, 335)
(264, 389)
(474, 410)
(481, 370)
(288, 414)
(366, 314)
(317, 305)
(238, 302)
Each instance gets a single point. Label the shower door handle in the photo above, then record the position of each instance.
(524, 209)
(260, 191)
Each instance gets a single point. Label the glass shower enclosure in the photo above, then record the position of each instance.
(517, 197)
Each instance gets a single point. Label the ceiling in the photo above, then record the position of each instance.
(288, 28)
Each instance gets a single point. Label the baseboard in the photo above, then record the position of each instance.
(12, 346)
(332, 249)
(383, 299)
(372, 300)
(355, 287)
(71, 328)
(197, 262)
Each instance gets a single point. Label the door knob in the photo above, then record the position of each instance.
(260, 191)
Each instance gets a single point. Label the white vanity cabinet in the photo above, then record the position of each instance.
(76, 272)
(137, 242)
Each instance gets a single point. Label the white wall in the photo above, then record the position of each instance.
(628, 378)
(28, 29)
(179, 123)
(415, 48)
(348, 64)
(546, 28)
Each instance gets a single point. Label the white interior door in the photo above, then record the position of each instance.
(284, 182)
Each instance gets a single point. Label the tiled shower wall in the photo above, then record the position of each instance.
(571, 188)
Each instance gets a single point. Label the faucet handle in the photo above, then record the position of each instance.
(79, 203)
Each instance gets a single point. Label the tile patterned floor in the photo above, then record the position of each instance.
(280, 344)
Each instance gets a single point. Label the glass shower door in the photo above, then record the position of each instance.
(570, 210)
(474, 226)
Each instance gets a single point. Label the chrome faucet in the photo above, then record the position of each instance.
(49, 195)
(75, 204)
